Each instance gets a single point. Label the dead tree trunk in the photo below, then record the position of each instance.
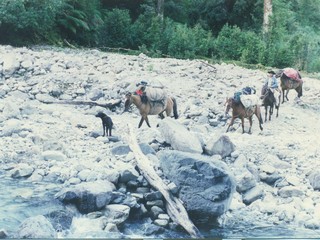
(267, 12)
(160, 9)
(110, 105)
(175, 208)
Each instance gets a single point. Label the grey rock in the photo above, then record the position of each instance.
(36, 227)
(60, 219)
(314, 179)
(221, 145)
(179, 137)
(88, 196)
(290, 191)
(252, 195)
(206, 186)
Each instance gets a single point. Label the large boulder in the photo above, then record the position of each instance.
(88, 196)
(220, 145)
(205, 185)
(179, 137)
(36, 227)
(314, 179)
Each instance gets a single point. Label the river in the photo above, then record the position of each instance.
(21, 199)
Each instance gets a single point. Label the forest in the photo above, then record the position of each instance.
(215, 30)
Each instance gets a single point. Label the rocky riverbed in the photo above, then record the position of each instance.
(261, 184)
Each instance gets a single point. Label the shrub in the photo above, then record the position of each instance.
(28, 21)
(229, 43)
(115, 31)
(254, 48)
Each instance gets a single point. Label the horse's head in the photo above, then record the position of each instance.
(279, 73)
(228, 105)
(128, 101)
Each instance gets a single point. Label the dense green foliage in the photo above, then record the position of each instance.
(215, 29)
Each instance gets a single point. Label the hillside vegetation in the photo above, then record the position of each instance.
(218, 30)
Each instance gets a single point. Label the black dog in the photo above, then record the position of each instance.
(106, 123)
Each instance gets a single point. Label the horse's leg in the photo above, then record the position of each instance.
(258, 114)
(265, 112)
(141, 121)
(242, 124)
(270, 112)
(147, 121)
(161, 115)
(250, 121)
(299, 91)
(230, 124)
(287, 95)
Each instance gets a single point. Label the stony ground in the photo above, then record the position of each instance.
(288, 146)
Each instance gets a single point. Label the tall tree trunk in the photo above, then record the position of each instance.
(267, 12)
(160, 9)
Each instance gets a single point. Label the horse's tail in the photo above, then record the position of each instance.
(175, 108)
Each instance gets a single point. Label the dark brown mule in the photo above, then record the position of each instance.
(268, 100)
(147, 108)
(239, 111)
(288, 83)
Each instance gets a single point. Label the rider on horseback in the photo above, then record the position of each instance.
(272, 83)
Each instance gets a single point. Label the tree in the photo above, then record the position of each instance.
(160, 9)
(267, 12)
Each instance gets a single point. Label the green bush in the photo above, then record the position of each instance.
(80, 20)
(28, 21)
(187, 42)
(115, 31)
(254, 48)
(229, 43)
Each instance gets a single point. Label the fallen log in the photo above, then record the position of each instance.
(110, 105)
(174, 206)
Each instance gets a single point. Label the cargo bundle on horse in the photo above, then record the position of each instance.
(245, 108)
(290, 79)
(151, 101)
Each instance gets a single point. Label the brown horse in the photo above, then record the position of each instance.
(288, 83)
(239, 111)
(268, 100)
(151, 108)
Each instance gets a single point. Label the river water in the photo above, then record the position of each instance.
(21, 199)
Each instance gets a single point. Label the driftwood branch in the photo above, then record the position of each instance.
(208, 65)
(89, 103)
(175, 208)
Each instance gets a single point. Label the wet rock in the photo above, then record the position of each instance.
(22, 170)
(155, 211)
(153, 229)
(60, 219)
(3, 234)
(36, 227)
(161, 222)
(117, 213)
(88, 196)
